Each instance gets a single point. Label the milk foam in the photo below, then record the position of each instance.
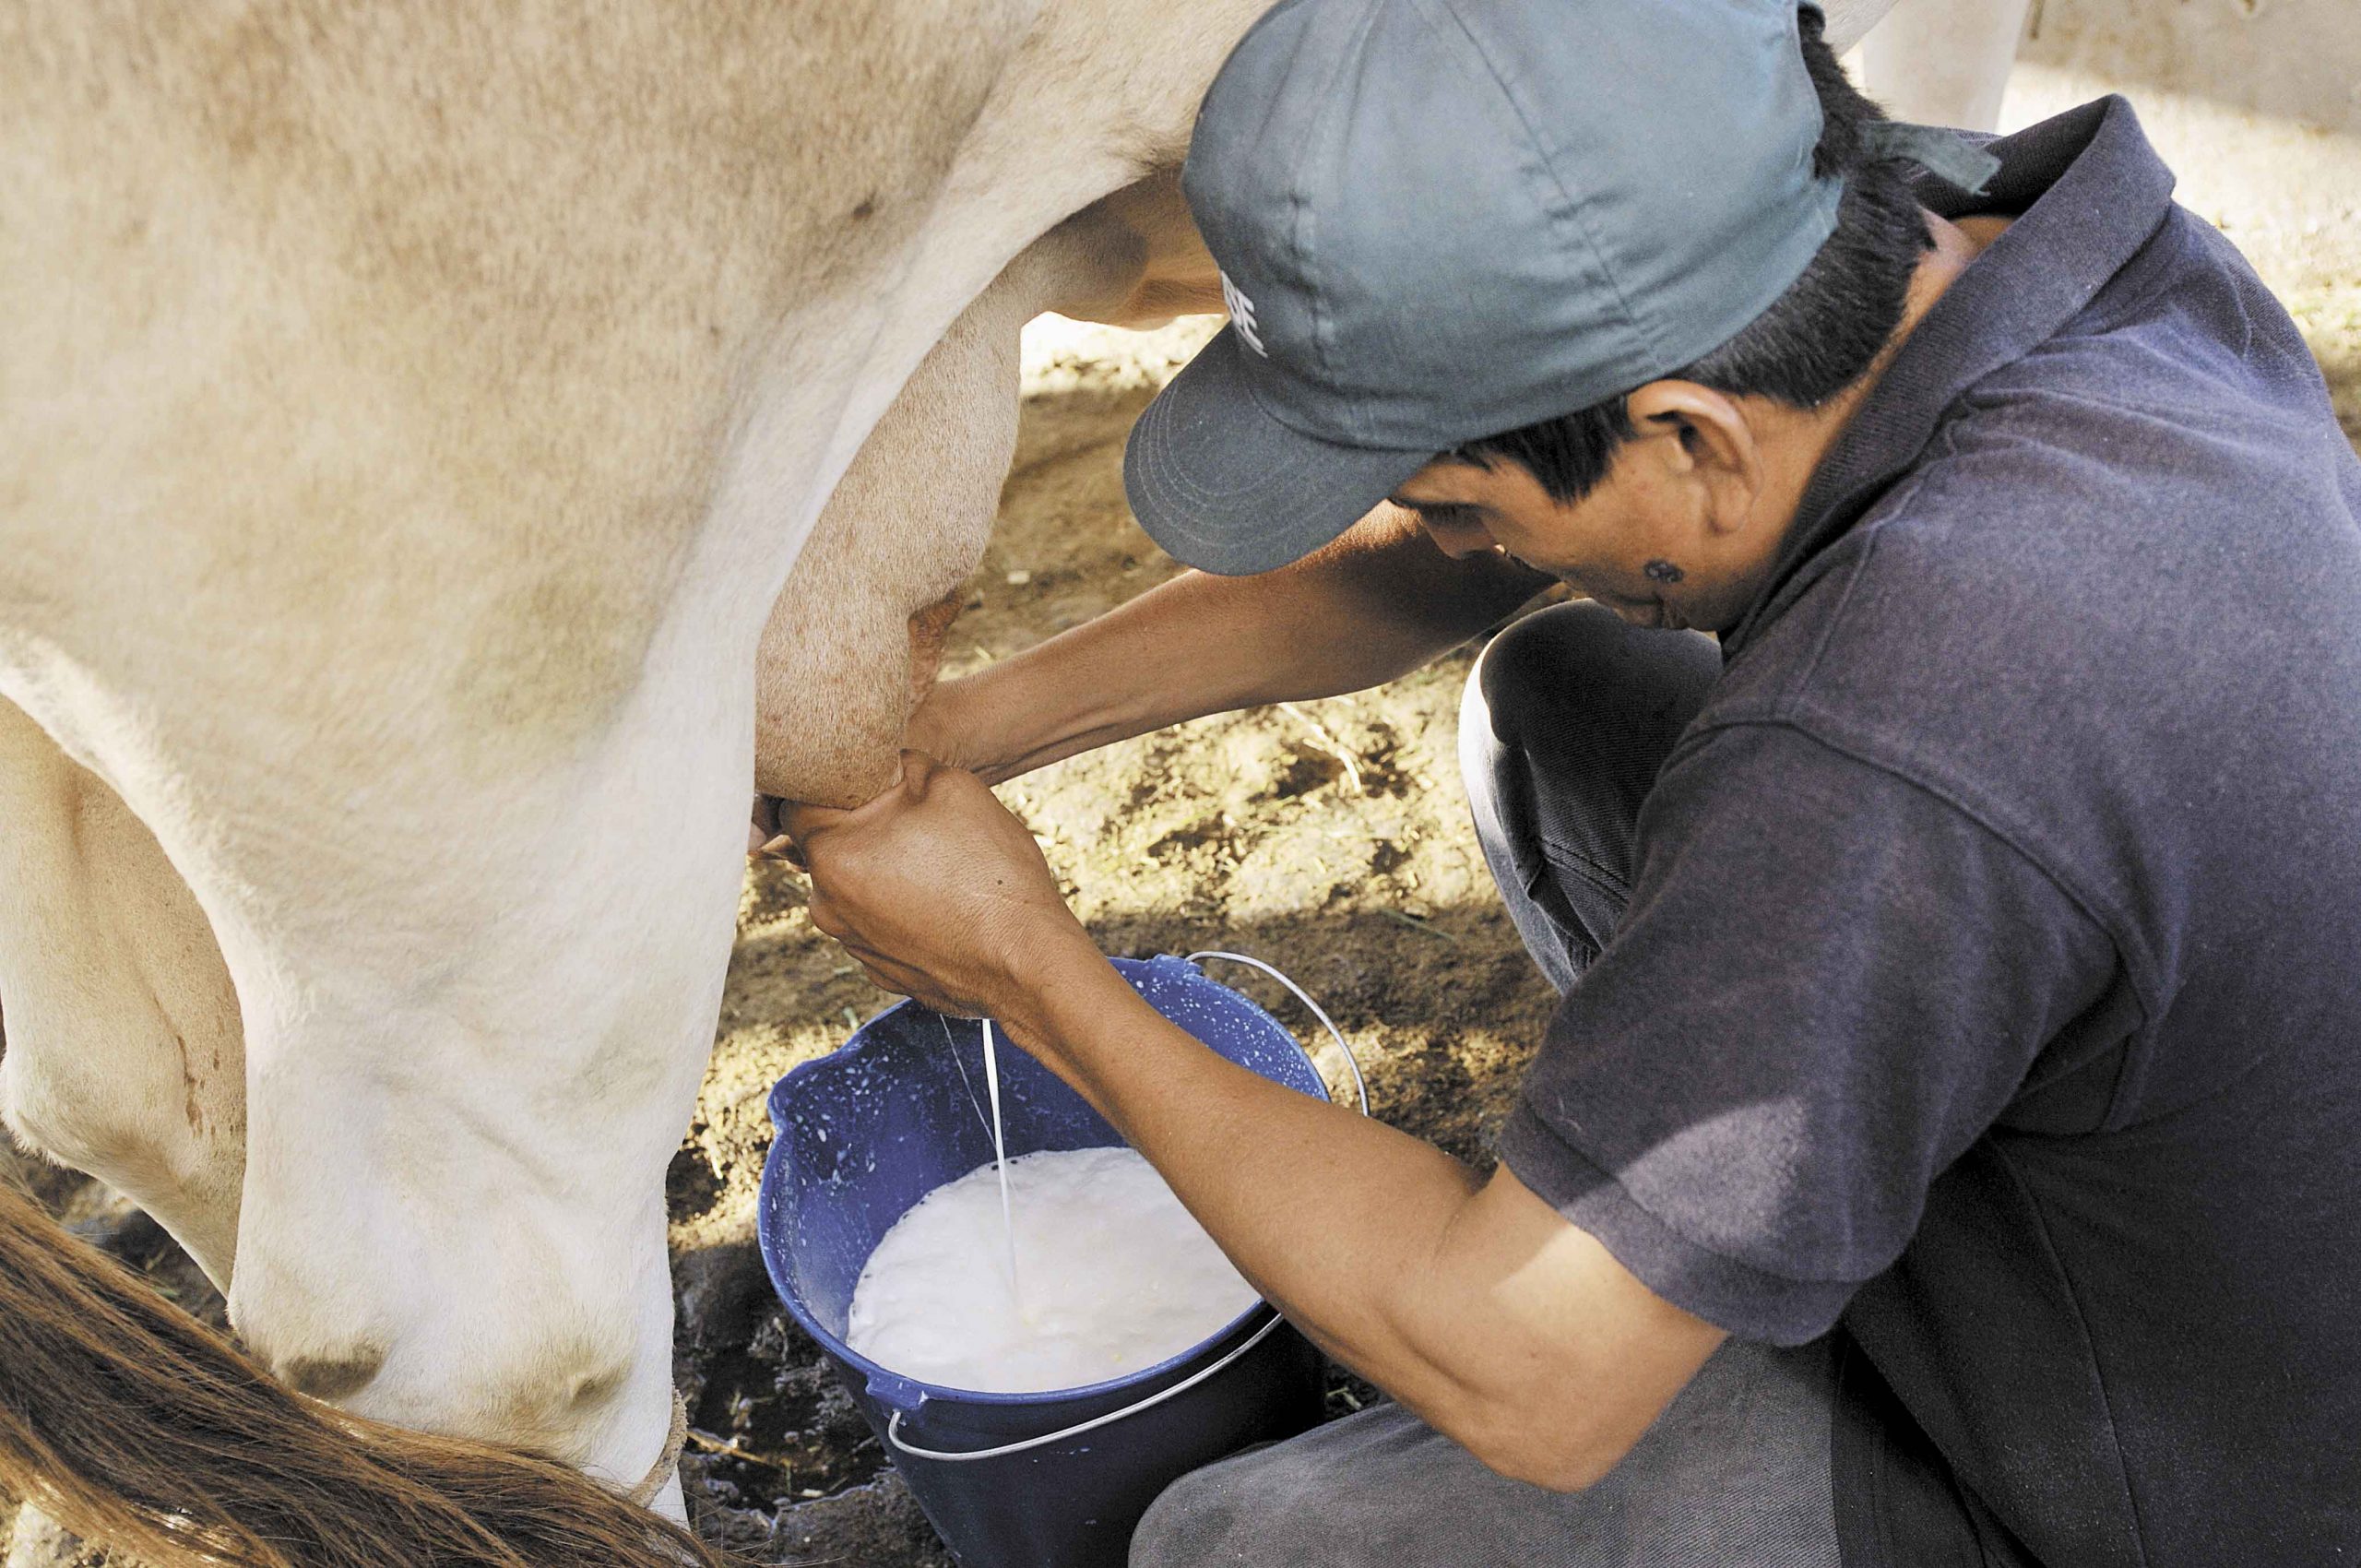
(1118, 1277)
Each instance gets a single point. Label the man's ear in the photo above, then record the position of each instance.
(1716, 444)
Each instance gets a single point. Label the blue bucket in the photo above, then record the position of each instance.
(1054, 1479)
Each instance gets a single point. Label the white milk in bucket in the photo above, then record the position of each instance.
(1116, 1278)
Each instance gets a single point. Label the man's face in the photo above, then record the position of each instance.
(1673, 537)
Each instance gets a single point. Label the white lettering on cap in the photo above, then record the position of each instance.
(1241, 315)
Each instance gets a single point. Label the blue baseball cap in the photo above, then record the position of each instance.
(1441, 220)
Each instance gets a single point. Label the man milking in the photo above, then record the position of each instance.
(1948, 1145)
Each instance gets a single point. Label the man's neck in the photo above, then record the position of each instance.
(1956, 244)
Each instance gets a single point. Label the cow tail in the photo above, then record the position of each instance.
(133, 1425)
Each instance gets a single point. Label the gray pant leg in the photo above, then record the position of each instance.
(1735, 1474)
(1565, 722)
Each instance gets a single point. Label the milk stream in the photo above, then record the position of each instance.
(1118, 1277)
(1000, 1166)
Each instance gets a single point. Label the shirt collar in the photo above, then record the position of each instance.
(2090, 191)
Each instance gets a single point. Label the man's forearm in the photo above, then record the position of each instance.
(1474, 1305)
(1379, 602)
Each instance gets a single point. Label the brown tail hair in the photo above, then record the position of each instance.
(132, 1424)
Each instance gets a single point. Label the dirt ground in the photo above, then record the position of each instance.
(1330, 839)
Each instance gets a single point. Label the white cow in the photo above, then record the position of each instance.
(1944, 62)
(409, 418)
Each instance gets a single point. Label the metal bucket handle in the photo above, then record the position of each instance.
(1361, 1086)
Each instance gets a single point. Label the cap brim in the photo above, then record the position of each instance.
(1224, 487)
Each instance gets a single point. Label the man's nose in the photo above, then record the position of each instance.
(1459, 543)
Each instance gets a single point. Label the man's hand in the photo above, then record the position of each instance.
(939, 892)
(763, 837)
(958, 723)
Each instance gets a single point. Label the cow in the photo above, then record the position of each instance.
(1944, 62)
(428, 436)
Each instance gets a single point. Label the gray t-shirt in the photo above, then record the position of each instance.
(1991, 984)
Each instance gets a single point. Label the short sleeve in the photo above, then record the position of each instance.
(1827, 983)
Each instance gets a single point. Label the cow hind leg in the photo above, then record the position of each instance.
(127, 1422)
(1944, 61)
(538, 1315)
(460, 1113)
(125, 1058)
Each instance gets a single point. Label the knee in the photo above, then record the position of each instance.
(1531, 685)
(1576, 665)
(49, 1108)
(1566, 683)
(1502, 675)
(530, 1359)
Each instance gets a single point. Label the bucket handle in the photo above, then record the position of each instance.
(1360, 1086)
(893, 1422)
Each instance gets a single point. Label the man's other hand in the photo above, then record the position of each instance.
(937, 891)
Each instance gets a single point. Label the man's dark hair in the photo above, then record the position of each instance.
(1817, 338)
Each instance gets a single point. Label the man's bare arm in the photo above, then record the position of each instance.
(1472, 1301)
(1379, 602)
